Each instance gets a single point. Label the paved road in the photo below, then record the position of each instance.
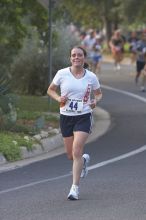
(115, 186)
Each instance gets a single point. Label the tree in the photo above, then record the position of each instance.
(15, 17)
(94, 14)
(133, 12)
(108, 14)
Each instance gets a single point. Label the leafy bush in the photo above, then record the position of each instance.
(10, 145)
(29, 69)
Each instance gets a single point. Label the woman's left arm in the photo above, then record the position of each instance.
(97, 97)
(97, 94)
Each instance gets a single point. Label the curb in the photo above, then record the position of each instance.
(53, 146)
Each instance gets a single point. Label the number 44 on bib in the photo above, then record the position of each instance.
(74, 105)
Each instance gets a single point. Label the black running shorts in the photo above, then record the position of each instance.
(140, 65)
(70, 124)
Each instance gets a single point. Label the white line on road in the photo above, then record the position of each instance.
(139, 150)
(33, 184)
(121, 157)
(125, 93)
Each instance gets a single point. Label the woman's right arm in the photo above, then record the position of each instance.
(52, 92)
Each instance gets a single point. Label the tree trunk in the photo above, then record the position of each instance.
(108, 28)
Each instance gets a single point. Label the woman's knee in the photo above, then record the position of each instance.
(69, 156)
(77, 153)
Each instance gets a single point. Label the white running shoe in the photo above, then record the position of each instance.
(74, 193)
(84, 172)
(118, 67)
(142, 89)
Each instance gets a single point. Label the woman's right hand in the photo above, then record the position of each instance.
(62, 100)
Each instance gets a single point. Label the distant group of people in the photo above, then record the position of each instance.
(92, 42)
(137, 49)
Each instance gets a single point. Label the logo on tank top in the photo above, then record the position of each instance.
(87, 94)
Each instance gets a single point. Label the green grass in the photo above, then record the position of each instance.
(37, 104)
(33, 115)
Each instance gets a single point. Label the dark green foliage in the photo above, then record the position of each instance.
(4, 98)
(7, 103)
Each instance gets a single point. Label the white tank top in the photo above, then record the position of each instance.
(78, 91)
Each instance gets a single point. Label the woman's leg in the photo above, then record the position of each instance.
(144, 79)
(77, 151)
(139, 67)
(143, 83)
(68, 144)
(119, 58)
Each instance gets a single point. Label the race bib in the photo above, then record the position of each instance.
(74, 105)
